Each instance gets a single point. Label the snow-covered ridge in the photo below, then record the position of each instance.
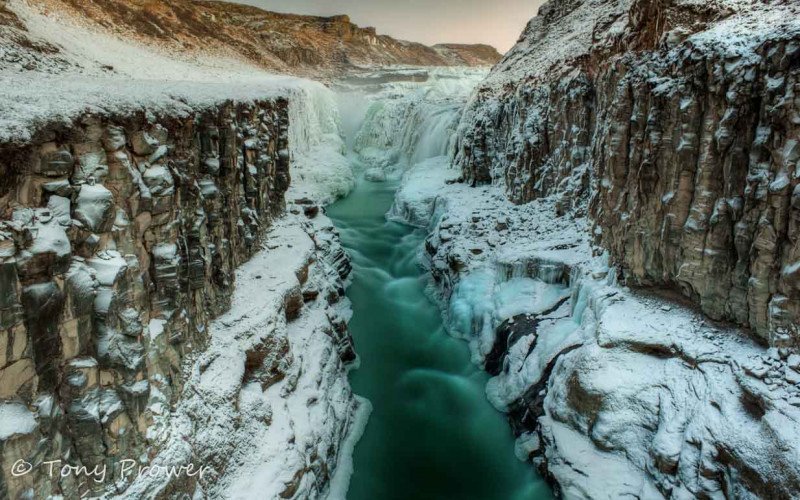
(34, 101)
(115, 36)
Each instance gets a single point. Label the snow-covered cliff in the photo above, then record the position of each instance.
(678, 120)
(167, 298)
(159, 306)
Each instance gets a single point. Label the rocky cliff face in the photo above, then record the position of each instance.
(680, 121)
(119, 239)
(322, 47)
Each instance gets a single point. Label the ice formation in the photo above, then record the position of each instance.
(399, 124)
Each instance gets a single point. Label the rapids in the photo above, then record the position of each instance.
(432, 434)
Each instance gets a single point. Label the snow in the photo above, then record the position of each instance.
(156, 328)
(493, 260)
(256, 438)
(92, 206)
(50, 237)
(108, 265)
(749, 25)
(15, 419)
(263, 437)
(33, 100)
(91, 50)
(144, 80)
(600, 474)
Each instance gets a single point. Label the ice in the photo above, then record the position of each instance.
(415, 200)
(480, 302)
(524, 295)
(319, 166)
(404, 123)
(340, 482)
(472, 305)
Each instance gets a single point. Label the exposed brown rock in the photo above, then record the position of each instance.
(297, 44)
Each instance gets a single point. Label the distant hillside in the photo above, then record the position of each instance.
(303, 45)
(468, 54)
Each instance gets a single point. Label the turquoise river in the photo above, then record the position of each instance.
(432, 434)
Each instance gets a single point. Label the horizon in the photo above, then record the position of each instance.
(423, 21)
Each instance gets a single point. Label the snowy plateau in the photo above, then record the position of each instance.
(611, 221)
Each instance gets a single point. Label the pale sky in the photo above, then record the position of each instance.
(496, 22)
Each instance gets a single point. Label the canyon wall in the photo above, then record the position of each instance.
(675, 125)
(120, 235)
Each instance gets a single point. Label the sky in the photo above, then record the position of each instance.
(496, 22)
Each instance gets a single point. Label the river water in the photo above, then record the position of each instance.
(432, 434)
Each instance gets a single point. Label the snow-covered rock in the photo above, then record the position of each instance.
(267, 404)
(648, 108)
(124, 318)
(612, 392)
(627, 155)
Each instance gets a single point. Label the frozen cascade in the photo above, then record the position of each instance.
(404, 123)
(317, 147)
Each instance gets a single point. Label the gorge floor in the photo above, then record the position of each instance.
(432, 434)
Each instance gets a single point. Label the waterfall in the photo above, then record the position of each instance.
(405, 123)
(320, 168)
(385, 130)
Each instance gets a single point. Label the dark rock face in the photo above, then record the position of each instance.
(685, 146)
(702, 201)
(119, 238)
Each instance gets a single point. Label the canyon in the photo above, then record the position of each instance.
(352, 288)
